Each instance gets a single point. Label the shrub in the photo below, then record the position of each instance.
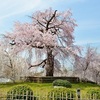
(20, 93)
(63, 83)
(62, 94)
(93, 94)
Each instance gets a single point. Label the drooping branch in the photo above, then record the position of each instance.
(27, 43)
(43, 62)
(33, 46)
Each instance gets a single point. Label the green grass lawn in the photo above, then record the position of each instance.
(46, 86)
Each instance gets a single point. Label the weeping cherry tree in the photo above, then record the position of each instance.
(50, 33)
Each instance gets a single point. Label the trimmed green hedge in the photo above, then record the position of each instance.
(61, 94)
(20, 92)
(63, 83)
(93, 93)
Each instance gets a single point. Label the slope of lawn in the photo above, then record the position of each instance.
(46, 86)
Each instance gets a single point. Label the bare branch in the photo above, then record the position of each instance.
(44, 61)
(50, 19)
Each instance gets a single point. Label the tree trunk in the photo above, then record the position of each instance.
(50, 63)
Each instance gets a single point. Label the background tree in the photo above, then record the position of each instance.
(50, 34)
(12, 66)
(95, 69)
(86, 63)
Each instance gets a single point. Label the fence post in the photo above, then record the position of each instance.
(53, 96)
(66, 96)
(78, 93)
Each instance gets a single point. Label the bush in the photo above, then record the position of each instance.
(63, 83)
(93, 94)
(20, 92)
(61, 94)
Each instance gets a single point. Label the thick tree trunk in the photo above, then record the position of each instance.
(50, 63)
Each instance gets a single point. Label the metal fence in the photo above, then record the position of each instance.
(48, 96)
